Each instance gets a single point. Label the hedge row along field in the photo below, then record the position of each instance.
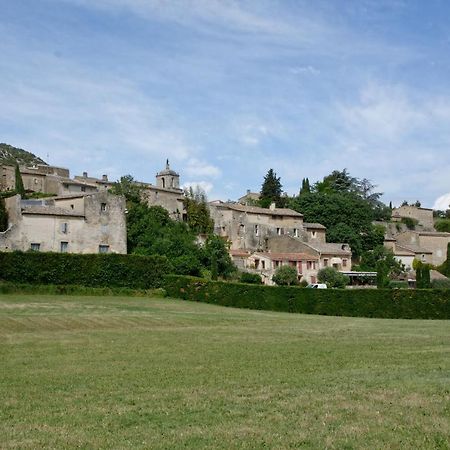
(381, 303)
(96, 270)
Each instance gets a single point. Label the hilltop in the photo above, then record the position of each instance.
(10, 155)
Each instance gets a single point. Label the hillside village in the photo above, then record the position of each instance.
(80, 215)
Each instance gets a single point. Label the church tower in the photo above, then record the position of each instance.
(168, 179)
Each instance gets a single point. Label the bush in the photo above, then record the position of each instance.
(251, 278)
(382, 303)
(95, 270)
(410, 223)
(332, 278)
(398, 285)
(285, 276)
(440, 284)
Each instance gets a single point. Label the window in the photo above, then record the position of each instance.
(256, 263)
(263, 265)
(277, 263)
(295, 232)
(299, 267)
(103, 207)
(103, 248)
(242, 228)
(313, 234)
(308, 265)
(83, 188)
(325, 262)
(71, 206)
(64, 227)
(164, 182)
(64, 247)
(256, 230)
(35, 247)
(344, 263)
(280, 231)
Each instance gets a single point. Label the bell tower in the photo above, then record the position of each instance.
(168, 178)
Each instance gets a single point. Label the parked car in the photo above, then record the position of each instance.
(317, 286)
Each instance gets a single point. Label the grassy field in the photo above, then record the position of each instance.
(85, 372)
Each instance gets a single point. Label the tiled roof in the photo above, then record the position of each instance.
(239, 253)
(329, 248)
(413, 248)
(317, 226)
(50, 211)
(258, 210)
(286, 256)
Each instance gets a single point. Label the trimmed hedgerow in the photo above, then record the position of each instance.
(96, 270)
(382, 303)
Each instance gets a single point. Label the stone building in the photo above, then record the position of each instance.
(249, 227)
(328, 254)
(266, 263)
(48, 180)
(425, 246)
(423, 216)
(78, 223)
(167, 193)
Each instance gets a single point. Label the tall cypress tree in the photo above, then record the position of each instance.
(19, 182)
(306, 188)
(271, 190)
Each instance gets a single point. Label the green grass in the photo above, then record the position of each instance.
(111, 372)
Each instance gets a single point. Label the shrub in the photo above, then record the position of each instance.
(440, 284)
(251, 278)
(285, 276)
(382, 303)
(332, 278)
(410, 223)
(96, 270)
(398, 284)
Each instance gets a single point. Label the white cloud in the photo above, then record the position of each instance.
(205, 186)
(302, 70)
(197, 168)
(443, 202)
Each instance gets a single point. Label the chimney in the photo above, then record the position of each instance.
(104, 177)
(84, 174)
(248, 191)
(272, 206)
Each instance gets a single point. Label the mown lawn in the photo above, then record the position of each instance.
(92, 372)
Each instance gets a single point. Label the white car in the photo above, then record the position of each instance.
(317, 286)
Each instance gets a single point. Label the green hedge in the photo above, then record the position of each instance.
(96, 270)
(385, 303)
(62, 289)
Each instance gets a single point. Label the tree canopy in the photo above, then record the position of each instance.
(271, 190)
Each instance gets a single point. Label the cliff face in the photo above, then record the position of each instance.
(10, 155)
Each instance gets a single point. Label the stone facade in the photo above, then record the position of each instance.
(249, 227)
(265, 264)
(48, 180)
(90, 223)
(424, 216)
(427, 246)
(334, 255)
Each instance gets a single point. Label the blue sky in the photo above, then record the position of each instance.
(229, 89)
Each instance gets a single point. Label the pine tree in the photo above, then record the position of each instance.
(271, 190)
(19, 182)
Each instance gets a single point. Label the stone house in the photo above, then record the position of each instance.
(426, 246)
(424, 216)
(328, 254)
(48, 180)
(78, 223)
(266, 263)
(249, 227)
(307, 257)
